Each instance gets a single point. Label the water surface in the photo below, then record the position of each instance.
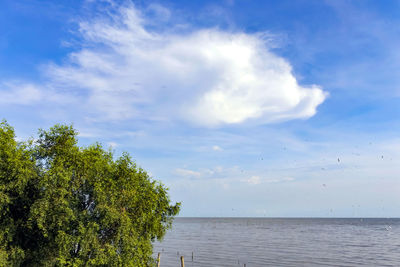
(281, 242)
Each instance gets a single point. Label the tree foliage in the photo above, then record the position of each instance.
(65, 205)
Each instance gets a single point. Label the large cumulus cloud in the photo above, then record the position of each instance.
(208, 77)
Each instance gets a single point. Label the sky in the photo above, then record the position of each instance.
(241, 108)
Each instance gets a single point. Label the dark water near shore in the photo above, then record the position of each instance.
(281, 242)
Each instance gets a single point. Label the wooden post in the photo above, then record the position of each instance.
(192, 255)
(158, 259)
(182, 262)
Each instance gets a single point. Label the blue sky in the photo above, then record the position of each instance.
(242, 108)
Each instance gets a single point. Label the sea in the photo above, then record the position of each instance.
(281, 242)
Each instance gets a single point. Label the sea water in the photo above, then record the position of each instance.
(281, 242)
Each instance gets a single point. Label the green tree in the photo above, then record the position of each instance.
(65, 205)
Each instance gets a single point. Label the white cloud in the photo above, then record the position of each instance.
(187, 173)
(17, 93)
(159, 12)
(214, 173)
(254, 180)
(208, 77)
(112, 145)
(217, 148)
(284, 179)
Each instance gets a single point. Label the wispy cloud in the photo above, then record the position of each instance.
(187, 173)
(217, 148)
(19, 93)
(255, 180)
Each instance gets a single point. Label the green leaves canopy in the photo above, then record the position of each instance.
(65, 205)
